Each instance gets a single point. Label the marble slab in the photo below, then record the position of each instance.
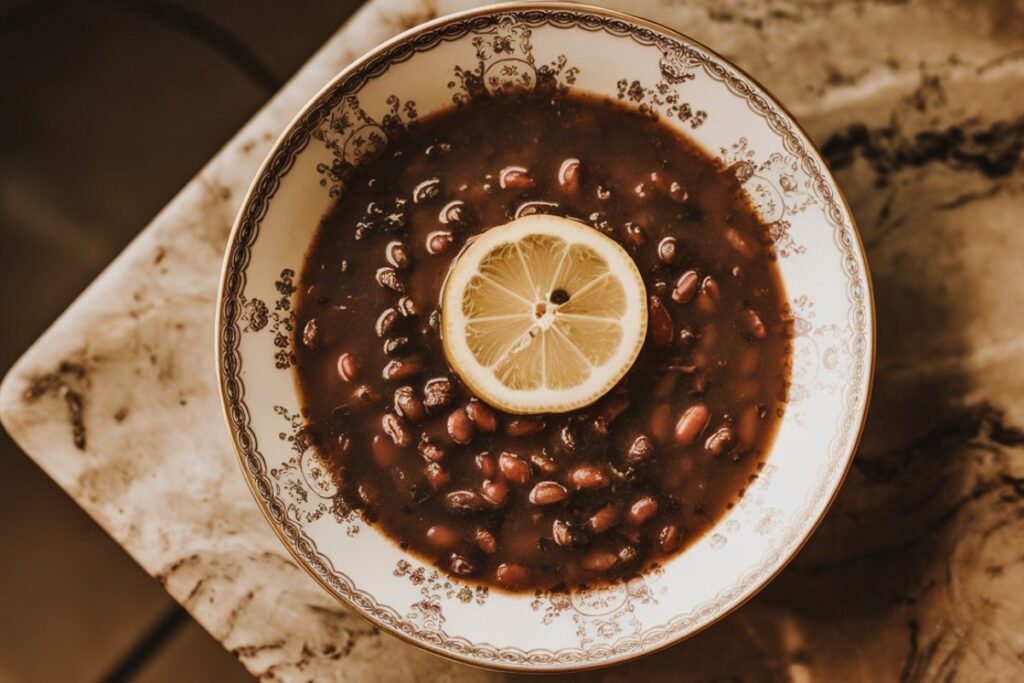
(917, 573)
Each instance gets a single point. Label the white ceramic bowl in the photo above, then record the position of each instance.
(691, 88)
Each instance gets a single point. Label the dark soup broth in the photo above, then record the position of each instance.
(553, 501)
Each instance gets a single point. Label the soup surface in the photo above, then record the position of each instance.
(554, 501)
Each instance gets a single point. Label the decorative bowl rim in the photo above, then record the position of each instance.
(674, 35)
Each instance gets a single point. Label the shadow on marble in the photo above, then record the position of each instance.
(108, 109)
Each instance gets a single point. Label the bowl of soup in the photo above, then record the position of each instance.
(545, 337)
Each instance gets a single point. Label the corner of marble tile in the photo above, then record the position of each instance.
(12, 388)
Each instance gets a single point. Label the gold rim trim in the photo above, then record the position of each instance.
(855, 250)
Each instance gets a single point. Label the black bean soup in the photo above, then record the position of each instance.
(554, 501)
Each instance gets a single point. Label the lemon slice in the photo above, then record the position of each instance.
(542, 315)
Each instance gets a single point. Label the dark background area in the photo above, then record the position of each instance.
(107, 108)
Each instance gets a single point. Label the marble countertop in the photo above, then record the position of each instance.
(916, 574)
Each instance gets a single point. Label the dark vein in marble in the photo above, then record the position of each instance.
(65, 382)
(252, 650)
(968, 197)
(914, 627)
(994, 150)
(980, 426)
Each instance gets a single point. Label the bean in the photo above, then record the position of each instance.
(364, 393)
(686, 287)
(485, 464)
(628, 554)
(709, 295)
(561, 532)
(408, 404)
(514, 468)
(667, 384)
(394, 346)
(613, 406)
(397, 254)
(460, 565)
(495, 492)
(347, 368)
(405, 483)
(434, 320)
(311, 335)
(437, 476)
(464, 501)
(443, 537)
(748, 361)
(754, 324)
(511, 575)
(438, 241)
(386, 321)
(644, 190)
(568, 438)
(548, 493)
(387, 277)
(739, 243)
(659, 181)
(406, 307)
(395, 428)
(399, 369)
(634, 234)
(748, 426)
(437, 393)
(642, 510)
(599, 560)
(454, 214)
(604, 193)
(685, 464)
(667, 248)
(677, 192)
(434, 151)
(669, 538)
(431, 452)
(588, 477)
(481, 415)
(640, 450)
(602, 520)
(720, 441)
(367, 494)
(745, 388)
(486, 542)
(515, 178)
(700, 381)
(385, 452)
(659, 322)
(460, 429)
(523, 426)
(427, 190)
(660, 422)
(569, 174)
(691, 423)
(708, 338)
(543, 463)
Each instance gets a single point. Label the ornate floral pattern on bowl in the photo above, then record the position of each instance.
(554, 46)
